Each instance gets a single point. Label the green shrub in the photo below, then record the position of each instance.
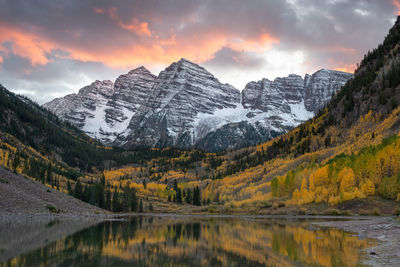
(397, 212)
(376, 212)
(212, 209)
(52, 209)
(331, 211)
(264, 204)
(302, 211)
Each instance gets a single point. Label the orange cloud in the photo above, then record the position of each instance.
(136, 26)
(169, 41)
(396, 3)
(26, 45)
(98, 10)
(262, 43)
(153, 50)
(347, 68)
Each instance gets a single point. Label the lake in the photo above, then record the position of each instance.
(190, 241)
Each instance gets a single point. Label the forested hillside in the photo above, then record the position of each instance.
(349, 151)
(35, 143)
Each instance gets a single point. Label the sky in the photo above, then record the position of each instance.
(50, 48)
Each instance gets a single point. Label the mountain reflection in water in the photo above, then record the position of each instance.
(196, 241)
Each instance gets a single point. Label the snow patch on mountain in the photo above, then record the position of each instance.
(186, 106)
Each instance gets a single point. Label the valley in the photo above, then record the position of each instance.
(348, 151)
(183, 169)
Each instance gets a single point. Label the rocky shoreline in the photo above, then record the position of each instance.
(384, 229)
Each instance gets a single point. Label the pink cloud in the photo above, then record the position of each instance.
(396, 3)
(98, 10)
(135, 26)
(153, 50)
(25, 45)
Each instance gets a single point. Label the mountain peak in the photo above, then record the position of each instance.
(103, 82)
(105, 87)
(138, 70)
(186, 62)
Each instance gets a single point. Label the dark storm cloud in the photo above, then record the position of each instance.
(50, 42)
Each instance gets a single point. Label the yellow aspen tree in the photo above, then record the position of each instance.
(347, 179)
(312, 184)
(321, 176)
(321, 194)
(304, 184)
(368, 188)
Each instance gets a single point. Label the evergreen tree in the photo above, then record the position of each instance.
(86, 193)
(175, 186)
(189, 196)
(126, 199)
(103, 180)
(144, 184)
(100, 195)
(108, 200)
(42, 172)
(116, 202)
(196, 196)
(151, 207)
(141, 206)
(179, 196)
(26, 167)
(134, 201)
(69, 188)
(92, 199)
(16, 162)
(78, 190)
(49, 177)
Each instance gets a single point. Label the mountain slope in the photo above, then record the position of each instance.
(36, 144)
(22, 120)
(186, 106)
(347, 157)
(19, 195)
(350, 150)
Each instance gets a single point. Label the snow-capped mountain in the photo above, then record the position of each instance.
(187, 106)
(181, 94)
(84, 109)
(320, 87)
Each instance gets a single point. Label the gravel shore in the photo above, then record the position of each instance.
(25, 197)
(384, 229)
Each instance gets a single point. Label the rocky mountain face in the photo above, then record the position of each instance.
(320, 87)
(187, 106)
(84, 109)
(181, 93)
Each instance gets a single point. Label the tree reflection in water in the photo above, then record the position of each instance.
(195, 241)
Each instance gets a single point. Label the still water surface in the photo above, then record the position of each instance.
(199, 241)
